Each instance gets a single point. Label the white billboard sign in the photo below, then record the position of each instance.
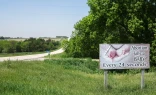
(124, 56)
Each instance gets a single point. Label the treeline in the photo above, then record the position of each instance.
(114, 21)
(28, 45)
(2, 38)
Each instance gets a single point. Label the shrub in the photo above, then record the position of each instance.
(85, 65)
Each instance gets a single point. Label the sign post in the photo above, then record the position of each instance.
(124, 56)
(48, 51)
(105, 78)
(142, 78)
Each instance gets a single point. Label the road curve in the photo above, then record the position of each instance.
(30, 57)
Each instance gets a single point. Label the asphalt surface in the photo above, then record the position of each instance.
(30, 57)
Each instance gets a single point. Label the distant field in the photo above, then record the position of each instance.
(68, 77)
(16, 39)
(22, 39)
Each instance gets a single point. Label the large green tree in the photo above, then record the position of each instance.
(114, 21)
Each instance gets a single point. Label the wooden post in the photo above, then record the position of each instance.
(142, 78)
(105, 78)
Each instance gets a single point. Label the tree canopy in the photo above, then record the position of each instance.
(114, 21)
(28, 45)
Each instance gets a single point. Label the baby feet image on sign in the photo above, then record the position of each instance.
(116, 52)
(123, 56)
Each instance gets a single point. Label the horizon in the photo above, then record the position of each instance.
(31, 37)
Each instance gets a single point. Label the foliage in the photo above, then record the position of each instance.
(114, 21)
(153, 52)
(64, 43)
(29, 45)
(85, 65)
(60, 55)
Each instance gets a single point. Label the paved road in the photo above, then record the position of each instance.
(30, 57)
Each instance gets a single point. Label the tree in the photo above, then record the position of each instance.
(25, 46)
(1, 48)
(40, 43)
(29, 45)
(1, 38)
(64, 43)
(18, 47)
(153, 52)
(114, 21)
(11, 47)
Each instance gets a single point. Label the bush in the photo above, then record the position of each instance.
(153, 53)
(29, 45)
(85, 65)
(1, 49)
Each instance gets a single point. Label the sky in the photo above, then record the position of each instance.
(40, 18)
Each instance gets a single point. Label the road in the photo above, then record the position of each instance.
(30, 57)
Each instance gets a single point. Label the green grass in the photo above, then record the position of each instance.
(19, 54)
(68, 77)
(60, 55)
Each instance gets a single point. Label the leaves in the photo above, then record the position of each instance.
(114, 21)
(29, 45)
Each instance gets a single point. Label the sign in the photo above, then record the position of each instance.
(124, 56)
(48, 51)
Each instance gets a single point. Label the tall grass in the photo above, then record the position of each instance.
(68, 77)
(60, 55)
(84, 65)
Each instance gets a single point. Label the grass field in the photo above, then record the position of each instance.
(19, 54)
(68, 77)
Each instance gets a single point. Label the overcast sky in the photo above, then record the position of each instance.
(40, 18)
